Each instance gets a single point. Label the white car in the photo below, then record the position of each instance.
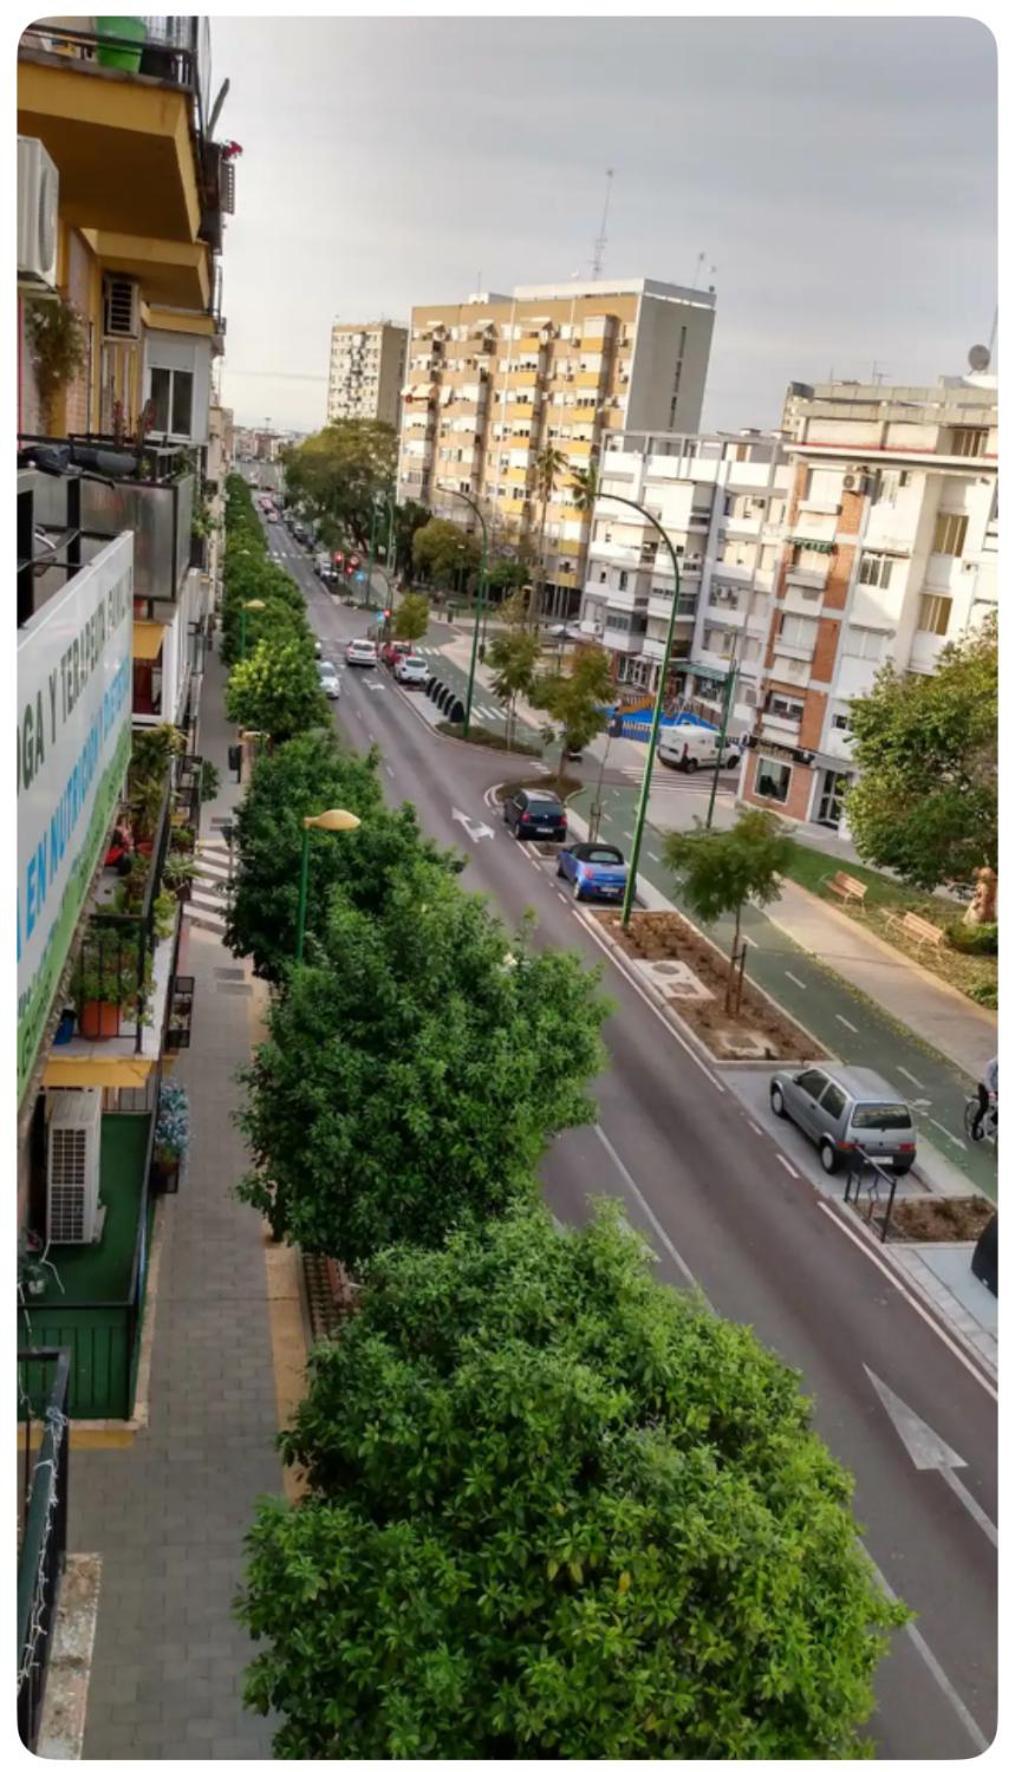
(361, 652)
(329, 679)
(412, 671)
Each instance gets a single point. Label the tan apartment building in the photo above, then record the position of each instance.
(889, 553)
(366, 370)
(493, 380)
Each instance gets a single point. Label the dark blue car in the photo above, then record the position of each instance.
(595, 870)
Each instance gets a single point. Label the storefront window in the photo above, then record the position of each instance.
(772, 780)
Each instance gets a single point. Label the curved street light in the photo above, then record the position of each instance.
(480, 606)
(336, 819)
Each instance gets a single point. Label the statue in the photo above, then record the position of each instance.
(983, 908)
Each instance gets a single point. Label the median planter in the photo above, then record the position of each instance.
(688, 974)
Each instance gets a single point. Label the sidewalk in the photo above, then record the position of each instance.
(169, 1513)
(964, 1031)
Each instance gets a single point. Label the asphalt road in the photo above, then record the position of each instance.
(726, 1209)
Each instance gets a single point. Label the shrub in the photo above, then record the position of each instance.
(973, 938)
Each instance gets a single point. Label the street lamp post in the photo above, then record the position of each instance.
(254, 603)
(480, 607)
(729, 689)
(335, 820)
(657, 711)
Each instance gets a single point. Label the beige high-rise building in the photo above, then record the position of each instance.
(495, 379)
(366, 370)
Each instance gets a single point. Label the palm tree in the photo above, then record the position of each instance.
(549, 463)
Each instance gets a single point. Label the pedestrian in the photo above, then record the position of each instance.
(986, 1089)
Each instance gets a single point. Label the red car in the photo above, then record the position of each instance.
(393, 650)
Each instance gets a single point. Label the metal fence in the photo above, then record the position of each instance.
(42, 1542)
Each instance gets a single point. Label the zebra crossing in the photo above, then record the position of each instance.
(206, 907)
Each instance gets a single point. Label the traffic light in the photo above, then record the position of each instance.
(338, 558)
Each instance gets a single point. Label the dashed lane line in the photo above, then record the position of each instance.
(846, 1024)
(787, 1165)
(797, 981)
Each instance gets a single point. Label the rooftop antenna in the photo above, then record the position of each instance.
(699, 261)
(877, 374)
(599, 247)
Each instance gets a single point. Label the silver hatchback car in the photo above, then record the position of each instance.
(843, 1108)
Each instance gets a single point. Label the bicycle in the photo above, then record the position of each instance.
(987, 1133)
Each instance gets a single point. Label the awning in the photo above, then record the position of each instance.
(809, 541)
(707, 672)
(148, 638)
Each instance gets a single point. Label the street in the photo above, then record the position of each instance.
(725, 1208)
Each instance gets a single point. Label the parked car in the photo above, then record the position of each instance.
(393, 650)
(843, 1109)
(361, 652)
(595, 870)
(412, 671)
(534, 812)
(330, 680)
(695, 747)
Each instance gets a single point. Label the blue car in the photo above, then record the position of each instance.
(595, 870)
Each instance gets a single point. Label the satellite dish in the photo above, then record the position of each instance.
(979, 358)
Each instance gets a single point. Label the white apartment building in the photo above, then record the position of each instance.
(495, 379)
(366, 370)
(722, 502)
(890, 552)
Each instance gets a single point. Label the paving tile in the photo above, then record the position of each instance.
(169, 1516)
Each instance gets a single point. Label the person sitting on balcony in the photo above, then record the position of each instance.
(121, 848)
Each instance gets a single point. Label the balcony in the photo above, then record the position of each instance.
(812, 578)
(780, 728)
(43, 1378)
(124, 120)
(748, 527)
(926, 651)
(799, 600)
(149, 491)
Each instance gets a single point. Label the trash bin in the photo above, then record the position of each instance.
(236, 759)
(129, 30)
(984, 1262)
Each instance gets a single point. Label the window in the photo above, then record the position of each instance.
(889, 1116)
(970, 442)
(172, 397)
(812, 1083)
(876, 569)
(772, 779)
(824, 486)
(622, 581)
(841, 723)
(935, 614)
(798, 630)
(833, 1101)
(950, 533)
(868, 643)
(719, 640)
(784, 707)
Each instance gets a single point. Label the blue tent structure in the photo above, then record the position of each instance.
(637, 725)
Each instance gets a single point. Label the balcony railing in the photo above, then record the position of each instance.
(175, 51)
(43, 1378)
(103, 490)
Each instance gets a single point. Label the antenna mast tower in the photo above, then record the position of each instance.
(599, 247)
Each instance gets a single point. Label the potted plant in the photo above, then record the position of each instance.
(106, 983)
(178, 874)
(56, 341)
(172, 1136)
(31, 1272)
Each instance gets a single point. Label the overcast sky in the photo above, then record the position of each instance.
(839, 175)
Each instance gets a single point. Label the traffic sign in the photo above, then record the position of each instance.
(360, 576)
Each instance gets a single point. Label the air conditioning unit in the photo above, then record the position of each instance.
(38, 193)
(855, 480)
(73, 1212)
(121, 307)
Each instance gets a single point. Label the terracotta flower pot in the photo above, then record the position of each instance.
(99, 1021)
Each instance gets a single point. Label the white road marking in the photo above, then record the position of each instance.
(787, 1165)
(932, 1664)
(749, 939)
(889, 1274)
(797, 981)
(670, 1247)
(971, 1505)
(910, 1077)
(390, 771)
(753, 1124)
(846, 1024)
(956, 1141)
(652, 855)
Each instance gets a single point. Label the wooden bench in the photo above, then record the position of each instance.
(918, 929)
(845, 887)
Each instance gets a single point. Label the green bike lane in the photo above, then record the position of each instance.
(848, 1023)
(845, 1021)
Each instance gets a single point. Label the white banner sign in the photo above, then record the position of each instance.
(74, 707)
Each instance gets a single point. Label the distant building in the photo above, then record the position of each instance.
(495, 379)
(366, 370)
(890, 552)
(722, 502)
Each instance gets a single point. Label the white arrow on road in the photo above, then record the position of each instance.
(929, 1452)
(374, 686)
(476, 831)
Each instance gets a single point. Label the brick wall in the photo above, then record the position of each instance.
(798, 799)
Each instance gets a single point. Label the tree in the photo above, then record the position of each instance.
(557, 1511)
(577, 700)
(507, 576)
(276, 690)
(413, 1076)
(411, 618)
(338, 472)
(409, 517)
(926, 749)
(514, 657)
(721, 871)
(441, 549)
(549, 463)
(311, 774)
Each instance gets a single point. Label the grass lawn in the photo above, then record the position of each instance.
(969, 973)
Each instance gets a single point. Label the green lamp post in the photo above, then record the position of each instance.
(480, 608)
(334, 820)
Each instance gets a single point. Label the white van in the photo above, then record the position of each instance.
(695, 747)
